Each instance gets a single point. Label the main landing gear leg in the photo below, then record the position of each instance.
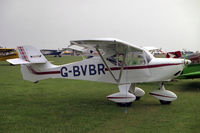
(123, 97)
(126, 95)
(163, 95)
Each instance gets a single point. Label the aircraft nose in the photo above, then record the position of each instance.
(186, 62)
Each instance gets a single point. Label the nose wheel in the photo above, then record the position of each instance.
(164, 96)
(137, 98)
(165, 102)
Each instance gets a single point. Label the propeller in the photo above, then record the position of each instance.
(186, 61)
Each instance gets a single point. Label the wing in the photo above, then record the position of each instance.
(191, 75)
(190, 72)
(108, 45)
(77, 48)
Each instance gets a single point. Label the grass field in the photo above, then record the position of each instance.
(69, 106)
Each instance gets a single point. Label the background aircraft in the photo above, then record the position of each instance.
(191, 71)
(118, 62)
(8, 53)
(85, 52)
(56, 53)
(154, 51)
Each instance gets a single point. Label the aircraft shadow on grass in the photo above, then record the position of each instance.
(6, 65)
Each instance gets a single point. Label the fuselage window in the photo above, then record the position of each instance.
(116, 59)
(135, 58)
(132, 57)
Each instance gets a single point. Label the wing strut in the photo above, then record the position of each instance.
(123, 63)
(122, 67)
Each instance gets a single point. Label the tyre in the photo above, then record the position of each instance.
(124, 104)
(165, 102)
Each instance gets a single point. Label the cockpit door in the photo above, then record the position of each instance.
(129, 65)
(136, 65)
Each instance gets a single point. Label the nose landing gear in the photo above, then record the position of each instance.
(164, 96)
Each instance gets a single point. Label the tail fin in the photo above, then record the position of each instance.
(28, 55)
(32, 62)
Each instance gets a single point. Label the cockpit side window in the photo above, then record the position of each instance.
(133, 57)
(116, 59)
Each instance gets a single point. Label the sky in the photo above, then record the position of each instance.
(167, 24)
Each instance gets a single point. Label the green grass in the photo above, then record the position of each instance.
(72, 106)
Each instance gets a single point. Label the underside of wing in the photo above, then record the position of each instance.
(77, 48)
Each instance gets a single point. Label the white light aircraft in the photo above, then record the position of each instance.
(118, 62)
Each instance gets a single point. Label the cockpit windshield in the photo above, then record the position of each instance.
(132, 57)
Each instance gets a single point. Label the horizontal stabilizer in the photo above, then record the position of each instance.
(17, 61)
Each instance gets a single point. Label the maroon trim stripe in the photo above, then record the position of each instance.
(42, 73)
(142, 67)
(118, 97)
(23, 53)
(160, 95)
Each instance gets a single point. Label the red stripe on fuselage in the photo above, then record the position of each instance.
(141, 67)
(112, 68)
(119, 97)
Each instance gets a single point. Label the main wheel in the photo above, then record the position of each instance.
(124, 104)
(165, 102)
